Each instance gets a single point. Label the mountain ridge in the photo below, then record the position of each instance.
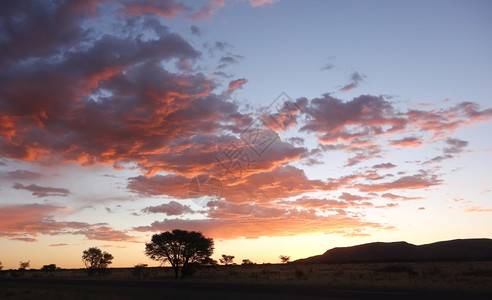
(457, 249)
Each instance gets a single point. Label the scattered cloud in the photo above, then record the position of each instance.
(41, 191)
(21, 175)
(384, 166)
(392, 196)
(355, 78)
(58, 245)
(25, 222)
(172, 208)
(236, 84)
(168, 9)
(407, 142)
(418, 181)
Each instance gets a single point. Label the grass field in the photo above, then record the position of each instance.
(475, 276)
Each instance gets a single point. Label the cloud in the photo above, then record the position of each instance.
(106, 233)
(41, 191)
(350, 197)
(407, 142)
(437, 159)
(208, 10)
(328, 66)
(24, 222)
(355, 78)
(292, 223)
(58, 245)
(172, 208)
(235, 84)
(478, 210)
(263, 187)
(195, 30)
(227, 60)
(24, 239)
(256, 3)
(363, 153)
(418, 181)
(333, 119)
(21, 175)
(384, 166)
(168, 9)
(33, 219)
(392, 196)
(316, 203)
(455, 146)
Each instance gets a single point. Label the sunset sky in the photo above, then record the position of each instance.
(274, 127)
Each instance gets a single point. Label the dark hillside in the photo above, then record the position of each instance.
(465, 249)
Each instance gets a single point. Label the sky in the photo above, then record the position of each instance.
(273, 127)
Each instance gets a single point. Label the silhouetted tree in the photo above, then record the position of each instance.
(49, 268)
(24, 265)
(1, 266)
(180, 248)
(284, 259)
(226, 259)
(209, 262)
(96, 260)
(247, 262)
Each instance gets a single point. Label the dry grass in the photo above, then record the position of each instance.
(476, 276)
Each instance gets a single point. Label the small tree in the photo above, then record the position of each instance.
(180, 248)
(96, 260)
(247, 262)
(24, 265)
(1, 266)
(49, 268)
(209, 262)
(284, 259)
(226, 259)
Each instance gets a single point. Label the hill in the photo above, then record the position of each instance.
(454, 250)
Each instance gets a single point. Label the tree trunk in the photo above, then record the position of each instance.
(176, 269)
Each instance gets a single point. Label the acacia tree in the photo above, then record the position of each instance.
(226, 259)
(24, 264)
(95, 259)
(284, 258)
(180, 248)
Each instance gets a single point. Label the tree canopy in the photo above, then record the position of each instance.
(95, 259)
(180, 248)
(227, 259)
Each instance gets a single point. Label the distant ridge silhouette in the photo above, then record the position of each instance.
(453, 250)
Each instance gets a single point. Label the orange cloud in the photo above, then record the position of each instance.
(24, 222)
(293, 223)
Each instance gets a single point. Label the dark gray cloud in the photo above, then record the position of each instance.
(41, 191)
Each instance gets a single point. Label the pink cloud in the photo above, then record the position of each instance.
(24, 222)
(256, 3)
(407, 142)
(168, 9)
(235, 84)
